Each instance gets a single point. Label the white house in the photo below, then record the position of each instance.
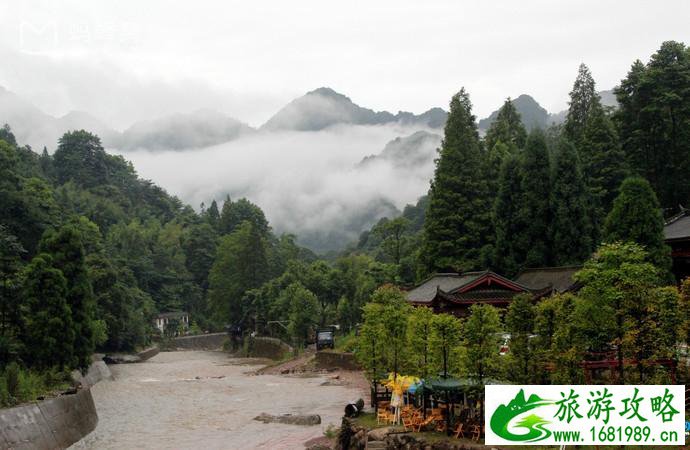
(163, 319)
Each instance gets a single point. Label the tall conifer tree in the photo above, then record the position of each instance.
(506, 258)
(533, 241)
(636, 217)
(458, 218)
(572, 235)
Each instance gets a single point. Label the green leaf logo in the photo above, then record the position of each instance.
(535, 425)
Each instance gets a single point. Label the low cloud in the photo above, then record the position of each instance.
(308, 183)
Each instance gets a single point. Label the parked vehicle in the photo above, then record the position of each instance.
(325, 338)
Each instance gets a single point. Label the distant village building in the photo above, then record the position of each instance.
(180, 318)
(454, 293)
(677, 236)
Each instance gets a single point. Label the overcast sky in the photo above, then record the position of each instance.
(127, 60)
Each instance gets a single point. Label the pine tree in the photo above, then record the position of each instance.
(507, 128)
(507, 259)
(458, 220)
(533, 241)
(213, 215)
(572, 235)
(603, 163)
(234, 213)
(583, 98)
(67, 251)
(652, 119)
(50, 332)
(636, 217)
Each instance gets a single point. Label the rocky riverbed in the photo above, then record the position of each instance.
(208, 400)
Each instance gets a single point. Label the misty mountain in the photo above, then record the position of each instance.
(325, 107)
(348, 229)
(407, 152)
(202, 128)
(37, 128)
(532, 113)
(535, 116)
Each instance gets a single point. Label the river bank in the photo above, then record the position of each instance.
(201, 399)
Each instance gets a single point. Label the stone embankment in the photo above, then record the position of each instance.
(211, 341)
(55, 423)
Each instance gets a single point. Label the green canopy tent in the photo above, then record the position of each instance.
(449, 389)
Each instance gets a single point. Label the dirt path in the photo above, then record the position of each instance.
(207, 400)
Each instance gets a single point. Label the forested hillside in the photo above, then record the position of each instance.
(514, 199)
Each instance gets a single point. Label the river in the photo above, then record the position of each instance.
(207, 400)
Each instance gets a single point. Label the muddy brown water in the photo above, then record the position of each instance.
(207, 400)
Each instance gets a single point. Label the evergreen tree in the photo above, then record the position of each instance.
(507, 128)
(50, 332)
(234, 213)
(303, 310)
(519, 321)
(652, 119)
(603, 163)
(535, 214)
(80, 158)
(213, 215)
(636, 217)
(457, 221)
(240, 266)
(67, 251)
(507, 258)
(419, 340)
(445, 338)
(583, 98)
(46, 163)
(572, 235)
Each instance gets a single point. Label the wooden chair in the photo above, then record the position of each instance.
(382, 416)
(423, 423)
(408, 422)
(459, 431)
(476, 432)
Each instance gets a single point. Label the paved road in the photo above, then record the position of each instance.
(161, 404)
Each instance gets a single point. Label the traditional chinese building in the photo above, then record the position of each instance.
(176, 318)
(677, 236)
(454, 293)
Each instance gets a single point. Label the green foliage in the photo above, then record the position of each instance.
(535, 212)
(615, 302)
(240, 266)
(583, 99)
(507, 258)
(571, 227)
(81, 158)
(235, 213)
(67, 251)
(457, 221)
(521, 361)
(636, 217)
(47, 316)
(419, 330)
(444, 340)
(481, 339)
(303, 308)
(507, 128)
(652, 119)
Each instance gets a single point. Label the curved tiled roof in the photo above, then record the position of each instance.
(426, 291)
(678, 227)
(558, 278)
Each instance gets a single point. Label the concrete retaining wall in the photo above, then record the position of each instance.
(148, 353)
(211, 341)
(336, 360)
(51, 424)
(266, 347)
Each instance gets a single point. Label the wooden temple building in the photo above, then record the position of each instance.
(454, 293)
(677, 236)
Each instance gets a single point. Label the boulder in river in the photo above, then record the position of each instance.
(290, 419)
